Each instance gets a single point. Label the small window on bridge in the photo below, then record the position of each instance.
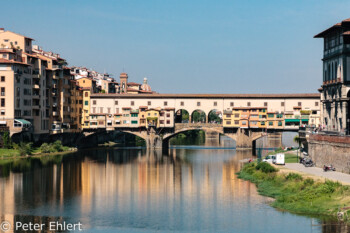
(299, 104)
(182, 103)
(165, 103)
(198, 103)
(316, 104)
(232, 104)
(149, 103)
(282, 104)
(248, 104)
(132, 103)
(215, 103)
(94, 102)
(116, 102)
(265, 104)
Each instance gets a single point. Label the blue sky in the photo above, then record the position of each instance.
(195, 46)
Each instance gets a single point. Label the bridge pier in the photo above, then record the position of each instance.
(153, 140)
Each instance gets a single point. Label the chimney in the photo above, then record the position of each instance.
(2, 29)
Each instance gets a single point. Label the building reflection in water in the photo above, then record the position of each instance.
(188, 186)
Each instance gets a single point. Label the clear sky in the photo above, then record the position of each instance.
(182, 46)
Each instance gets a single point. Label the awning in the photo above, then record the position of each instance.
(24, 122)
(292, 120)
(2, 122)
(109, 121)
(117, 121)
(307, 120)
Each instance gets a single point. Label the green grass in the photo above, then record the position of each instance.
(5, 153)
(296, 194)
(291, 158)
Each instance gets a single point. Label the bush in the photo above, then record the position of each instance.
(24, 148)
(309, 181)
(294, 176)
(57, 145)
(265, 167)
(46, 148)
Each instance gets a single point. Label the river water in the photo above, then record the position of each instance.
(185, 189)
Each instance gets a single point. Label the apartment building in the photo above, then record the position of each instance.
(24, 83)
(335, 88)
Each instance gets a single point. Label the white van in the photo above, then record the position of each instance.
(280, 159)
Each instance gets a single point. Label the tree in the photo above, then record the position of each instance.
(296, 139)
(7, 140)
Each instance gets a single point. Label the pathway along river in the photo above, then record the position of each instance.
(188, 189)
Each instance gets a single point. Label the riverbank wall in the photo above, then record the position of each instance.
(330, 149)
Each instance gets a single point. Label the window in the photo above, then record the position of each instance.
(93, 110)
(3, 91)
(2, 112)
(228, 122)
(132, 103)
(262, 122)
(161, 121)
(2, 78)
(168, 115)
(165, 103)
(149, 103)
(282, 104)
(168, 121)
(182, 103)
(86, 102)
(101, 109)
(236, 122)
(265, 104)
(299, 104)
(237, 115)
(86, 94)
(215, 103)
(248, 104)
(109, 110)
(270, 123)
(134, 115)
(116, 102)
(2, 102)
(232, 104)
(316, 104)
(133, 122)
(94, 102)
(280, 123)
(270, 115)
(198, 103)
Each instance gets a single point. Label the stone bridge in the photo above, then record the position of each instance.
(244, 138)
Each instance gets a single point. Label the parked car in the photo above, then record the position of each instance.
(269, 159)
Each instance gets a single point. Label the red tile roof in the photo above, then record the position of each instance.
(209, 96)
(2, 60)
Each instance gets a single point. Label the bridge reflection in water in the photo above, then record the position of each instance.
(191, 188)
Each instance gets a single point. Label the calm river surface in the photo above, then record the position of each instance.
(187, 189)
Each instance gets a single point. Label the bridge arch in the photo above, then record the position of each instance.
(198, 116)
(93, 138)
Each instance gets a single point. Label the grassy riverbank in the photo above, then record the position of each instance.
(26, 149)
(296, 194)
